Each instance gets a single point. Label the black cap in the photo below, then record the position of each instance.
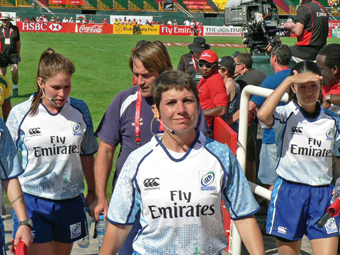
(199, 45)
(227, 62)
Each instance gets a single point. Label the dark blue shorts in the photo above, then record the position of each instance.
(295, 210)
(55, 220)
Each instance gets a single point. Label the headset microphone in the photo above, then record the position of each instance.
(51, 99)
(169, 129)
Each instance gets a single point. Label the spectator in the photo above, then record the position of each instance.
(189, 62)
(33, 20)
(45, 19)
(246, 73)
(311, 29)
(157, 23)
(227, 69)
(104, 21)
(152, 22)
(78, 20)
(116, 128)
(84, 21)
(175, 23)
(18, 18)
(169, 22)
(52, 20)
(10, 50)
(120, 21)
(65, 20)
(140, 22)
(91, 21)
(129, 22)
(134, 26)
(187, 22)
(27, 20)
(163, 22)
(58, 20)
(116, 22)
(41, 19)
(329, 61)
(71, 20)
(5, 97)
(125, 22)
(211, 88)
(249, 76)
(192, 27)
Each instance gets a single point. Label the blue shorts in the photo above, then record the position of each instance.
(295, 210)
(2, 237)
(55, 220)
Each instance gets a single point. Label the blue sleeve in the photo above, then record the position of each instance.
(260, 100)
(10, 164)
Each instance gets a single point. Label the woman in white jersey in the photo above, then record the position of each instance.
(54, 135)
(178, 181)
(307, 136)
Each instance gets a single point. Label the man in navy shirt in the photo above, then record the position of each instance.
(129, 121)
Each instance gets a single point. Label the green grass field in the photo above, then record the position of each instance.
(101, 62)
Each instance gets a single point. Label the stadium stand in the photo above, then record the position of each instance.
(22, 3)
(136, 5)
(108, 5)
(123, 3)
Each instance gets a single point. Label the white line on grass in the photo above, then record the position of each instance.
(97, 49)
(70, 42)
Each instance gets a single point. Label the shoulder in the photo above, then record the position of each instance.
(221, 151)
(138, 155)
(124, 99)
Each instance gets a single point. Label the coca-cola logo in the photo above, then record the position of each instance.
(95, 29)
(55, 27)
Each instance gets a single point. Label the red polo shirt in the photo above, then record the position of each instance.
(212, 93)
(331, 89)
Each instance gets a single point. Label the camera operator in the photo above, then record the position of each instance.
(311, 29)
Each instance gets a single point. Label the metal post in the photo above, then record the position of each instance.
(247, 92)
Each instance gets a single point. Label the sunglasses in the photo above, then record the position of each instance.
(206, 65)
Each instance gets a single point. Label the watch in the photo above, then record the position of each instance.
(328, 98)
(28, 223)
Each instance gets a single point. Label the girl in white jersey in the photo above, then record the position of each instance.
(177, 182)
(307, 136)
(54, 135)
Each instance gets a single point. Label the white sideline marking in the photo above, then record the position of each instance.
(97, 49)
(70, 42)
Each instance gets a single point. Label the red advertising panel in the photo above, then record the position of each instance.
(179, 30)
(42, 27)
(195, 2)
(195, 6)
(63, 2)
(89, 28)
(74, 2)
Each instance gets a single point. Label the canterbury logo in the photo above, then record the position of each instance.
(151, 182)
(34, 131)
(297, 130)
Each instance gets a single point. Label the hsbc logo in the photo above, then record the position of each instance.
(55, 27)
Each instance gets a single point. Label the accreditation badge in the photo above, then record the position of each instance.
(198, 76)
(7, 40)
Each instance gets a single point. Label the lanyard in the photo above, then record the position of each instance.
(10, 31)
(282, 68)
(194, 63)
(137, 118)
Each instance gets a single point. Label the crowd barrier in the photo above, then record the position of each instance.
(147, 29)
(223, 133)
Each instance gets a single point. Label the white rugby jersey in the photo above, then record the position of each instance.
(180, 199)
(51, 146)
(306, 146)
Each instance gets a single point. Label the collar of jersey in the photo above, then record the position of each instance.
(158, 139)
(298, 109)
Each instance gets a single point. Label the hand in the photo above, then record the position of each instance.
(303, 78)
(24, 234)
(326, 105)
(101, 205)
(289, 25)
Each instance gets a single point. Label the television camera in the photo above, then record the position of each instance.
(260, 23)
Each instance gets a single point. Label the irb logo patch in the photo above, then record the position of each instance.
(75, 230)
(331, 226)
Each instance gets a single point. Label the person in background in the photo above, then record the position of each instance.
(311, 29)
(169, 22)
(186, 22)
(33, 20)
(163, 22)
(54, 135)
(65, 20)
(192, 27)
(11, 169)
(91, 21)
(175, 23)
(189, 62)
(226, 69)
(188, 171)
(104, 21)
(10, 50)
(26, 20)
(84, 21)
(303, 129)
(78, 20)
(134, 26)
(211, 88)
(132, 125)
(71, 20)
(18, 18)
(52, 20)
(5, 97)
(58, 20)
